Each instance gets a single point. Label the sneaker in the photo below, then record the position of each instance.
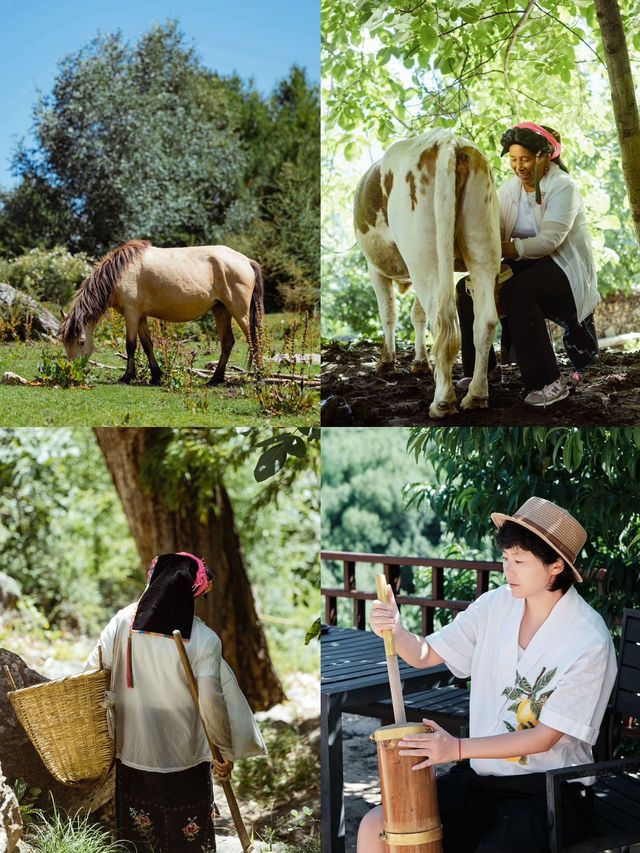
(551, 393)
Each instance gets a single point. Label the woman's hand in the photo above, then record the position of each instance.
(509, 250)
(385, 617)
(438, 747)
(222, 769)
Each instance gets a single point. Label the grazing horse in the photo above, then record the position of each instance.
(139, 280)
(429, 199)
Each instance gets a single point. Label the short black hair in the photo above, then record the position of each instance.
(532, 141)
(512, 535)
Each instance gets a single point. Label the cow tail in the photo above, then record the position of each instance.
(447, 336)
(256, 314)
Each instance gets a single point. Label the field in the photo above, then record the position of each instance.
(184, 399)
(355, 395)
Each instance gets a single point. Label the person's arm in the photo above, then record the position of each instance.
(440, 747)
(411, 648)
(216, 721)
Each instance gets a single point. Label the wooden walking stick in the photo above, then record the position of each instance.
(243, 835)
(409, 797)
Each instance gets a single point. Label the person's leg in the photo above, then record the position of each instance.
(464, 814)
(520, 821)
(539, 291)
(464, 304)
(371, 826)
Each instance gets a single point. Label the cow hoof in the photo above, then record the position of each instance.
(126, 378)
(475, 402)
(385, 367)
(421, 368)
(442, 409)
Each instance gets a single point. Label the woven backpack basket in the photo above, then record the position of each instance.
(66, 720)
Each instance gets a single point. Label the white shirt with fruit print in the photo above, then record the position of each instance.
(562, 679)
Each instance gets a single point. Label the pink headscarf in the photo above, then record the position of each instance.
(536, 128)
(202, 583)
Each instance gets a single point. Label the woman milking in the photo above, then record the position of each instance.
(164, 798)
(542, 666)
(545, 242)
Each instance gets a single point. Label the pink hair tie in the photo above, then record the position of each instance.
(536, 128)
(202, 583)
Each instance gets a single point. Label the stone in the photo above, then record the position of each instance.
(10, 591)
(14, 304)
(19, 758)
(10, 817)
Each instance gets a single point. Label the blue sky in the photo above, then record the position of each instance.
(258, 39)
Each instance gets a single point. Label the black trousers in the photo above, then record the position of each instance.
(538, 291)
(503, 814)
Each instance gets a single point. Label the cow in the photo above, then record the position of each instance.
(430, 199)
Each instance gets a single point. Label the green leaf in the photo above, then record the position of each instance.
(269, 463)
(313, 633)
(428, 36)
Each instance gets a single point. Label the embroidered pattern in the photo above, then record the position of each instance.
(144, 825)
(527, 703)
(191, 830)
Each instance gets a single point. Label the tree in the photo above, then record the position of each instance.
(593, 473)
(193, 512)
(623, 97)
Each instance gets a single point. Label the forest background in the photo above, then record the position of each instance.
(392, 70)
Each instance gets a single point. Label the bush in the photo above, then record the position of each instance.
(49, 275)
(57, 371)
(58, 834)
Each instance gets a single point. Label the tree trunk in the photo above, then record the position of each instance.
(623, 98)
(229, 608)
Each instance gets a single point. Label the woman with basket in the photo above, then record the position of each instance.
(164, 798)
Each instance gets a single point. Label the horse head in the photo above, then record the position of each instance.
(77, 336)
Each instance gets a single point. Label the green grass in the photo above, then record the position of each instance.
(61, 834)
(109, 403)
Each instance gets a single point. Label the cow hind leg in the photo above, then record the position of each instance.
(386, 297)
(223, 324)
(446, 332)
(484, 323)
(420, 364)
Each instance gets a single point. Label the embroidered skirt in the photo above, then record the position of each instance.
(165, 812)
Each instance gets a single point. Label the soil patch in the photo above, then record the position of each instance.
(353, 394)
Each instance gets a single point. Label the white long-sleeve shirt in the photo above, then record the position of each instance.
(561, 233)
(157, 727)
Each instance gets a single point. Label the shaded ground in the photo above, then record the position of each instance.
(353, 394)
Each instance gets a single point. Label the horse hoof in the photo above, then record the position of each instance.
(126, 378)
(421, 368)
(385, 367)
(442, 409)
(475, 402)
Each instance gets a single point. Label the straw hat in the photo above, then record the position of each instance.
(552, 524)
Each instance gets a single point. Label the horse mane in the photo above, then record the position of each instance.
(94, 294)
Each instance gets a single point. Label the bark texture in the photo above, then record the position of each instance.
(623, 97)
(19, 758)
(229, 609)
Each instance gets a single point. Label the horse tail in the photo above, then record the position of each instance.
(447, 336)
(95, 293)
(256, 310)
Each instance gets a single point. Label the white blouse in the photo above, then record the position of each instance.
(561, 232)
(157, 727)
(563, 678)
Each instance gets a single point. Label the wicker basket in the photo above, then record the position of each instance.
(66, 720)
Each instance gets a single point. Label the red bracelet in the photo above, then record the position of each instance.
(459, 749)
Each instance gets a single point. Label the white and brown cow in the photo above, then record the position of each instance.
(428, 199)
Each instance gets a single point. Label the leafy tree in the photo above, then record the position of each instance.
(392, 70)
(593, 473)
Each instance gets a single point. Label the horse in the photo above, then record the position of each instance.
(430, 199)
(139, 280)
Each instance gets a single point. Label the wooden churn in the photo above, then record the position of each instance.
(409, 797)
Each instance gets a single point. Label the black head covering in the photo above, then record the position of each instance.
(535, 142)
(168, 601)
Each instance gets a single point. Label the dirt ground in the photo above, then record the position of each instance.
(353, 394)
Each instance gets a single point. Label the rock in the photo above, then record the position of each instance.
(9, 378)
(10, 817)
(27, 315)
(10, 591)
(19, 758)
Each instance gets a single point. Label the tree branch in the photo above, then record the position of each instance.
(567, 27)
(512, 41)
